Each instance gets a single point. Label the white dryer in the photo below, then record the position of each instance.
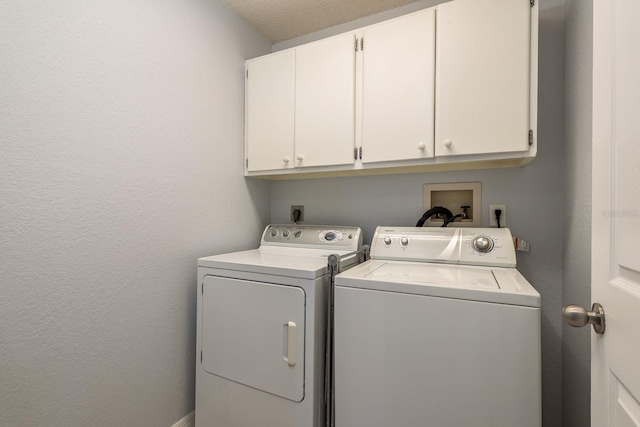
(438, 328)
(261, 328)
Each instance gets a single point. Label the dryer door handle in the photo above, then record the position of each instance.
(289, 346)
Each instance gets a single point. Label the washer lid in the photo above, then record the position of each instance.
(463, 278)
(488, 284)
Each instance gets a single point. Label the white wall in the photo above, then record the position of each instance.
(121, 137)
(576, 277)
(533, 196)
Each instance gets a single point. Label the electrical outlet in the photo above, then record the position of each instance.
(294, 210)
(492, 215)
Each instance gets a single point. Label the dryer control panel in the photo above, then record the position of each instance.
(313, 236)
(472, 246)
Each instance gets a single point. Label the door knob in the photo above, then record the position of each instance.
(579, 317)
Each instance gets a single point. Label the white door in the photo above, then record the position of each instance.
(615, 365)
(325, 102)
(398, 88)
(269, 111)
(482, 77)
(253, 334)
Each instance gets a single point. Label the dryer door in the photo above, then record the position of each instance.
(253, 334)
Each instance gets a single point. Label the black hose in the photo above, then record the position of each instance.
(433, 211)
(454, 218)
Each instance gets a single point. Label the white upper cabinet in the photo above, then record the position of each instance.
(444, 88)
(269, 112)
(325, 102)
(398, 88)
(483, 77)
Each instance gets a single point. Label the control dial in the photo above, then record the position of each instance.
(404, 241)
(330, 236)
(482, 244)
(387, 240)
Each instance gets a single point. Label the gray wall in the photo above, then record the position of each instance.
(121, 135)
(576, 278)
(121, 163)
(533, 196)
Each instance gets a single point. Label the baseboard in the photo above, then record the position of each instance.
(188, 421)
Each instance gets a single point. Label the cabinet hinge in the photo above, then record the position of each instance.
(356, 44)
(247, 73)
(362, 43)
(202, 288)
(355, 153)
(247, 163)
(200, 357)
(530, 137)
(360, 153)
(532, 3)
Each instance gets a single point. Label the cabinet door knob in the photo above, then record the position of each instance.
(285, 159)
(300, 157)
(448, 143)
(422, 146)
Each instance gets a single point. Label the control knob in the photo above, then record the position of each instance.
(483, 244)
(387, 240)
(404, 241)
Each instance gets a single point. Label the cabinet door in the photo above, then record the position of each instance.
(398, 88)
(325, 102)
(482, 76)
(270, 111)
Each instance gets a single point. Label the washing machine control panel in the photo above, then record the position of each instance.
(313, 236)
(473, 246)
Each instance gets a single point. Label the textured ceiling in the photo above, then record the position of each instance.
(280, 20)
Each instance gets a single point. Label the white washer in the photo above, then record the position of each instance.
(261, 328)
(438, 328)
